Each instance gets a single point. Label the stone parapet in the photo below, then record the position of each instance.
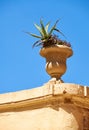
(54, 106)
(64, 92)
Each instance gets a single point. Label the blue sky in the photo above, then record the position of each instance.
(21, 67)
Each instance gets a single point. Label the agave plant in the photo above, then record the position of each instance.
(46, 37)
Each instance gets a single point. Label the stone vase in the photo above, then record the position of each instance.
(56, 59)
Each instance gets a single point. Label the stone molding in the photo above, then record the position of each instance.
(49, 94)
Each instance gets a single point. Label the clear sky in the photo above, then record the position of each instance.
(21, 67)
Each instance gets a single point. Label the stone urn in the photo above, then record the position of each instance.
(56, 57)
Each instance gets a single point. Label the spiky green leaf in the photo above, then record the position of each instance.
(39, 29)
(34, 35)
(59, 32)
(47, 26)
(53, 27)
(37, 43)
(27, 33)
(43, 29)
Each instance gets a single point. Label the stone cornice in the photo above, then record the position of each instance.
(50, 94)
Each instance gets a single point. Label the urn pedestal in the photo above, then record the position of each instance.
(56, 59)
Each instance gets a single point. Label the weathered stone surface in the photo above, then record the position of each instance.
(54, 106)
(56, 59)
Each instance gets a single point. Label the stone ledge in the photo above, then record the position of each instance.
(47, 89)
(62, 93)
(46, 101)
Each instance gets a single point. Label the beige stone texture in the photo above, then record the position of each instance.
(56, 57)
(53, 106)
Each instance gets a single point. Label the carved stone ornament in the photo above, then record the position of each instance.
(56, 59)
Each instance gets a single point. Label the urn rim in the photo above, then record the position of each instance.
(57, 48)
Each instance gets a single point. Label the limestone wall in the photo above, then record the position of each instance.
(53, 106)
